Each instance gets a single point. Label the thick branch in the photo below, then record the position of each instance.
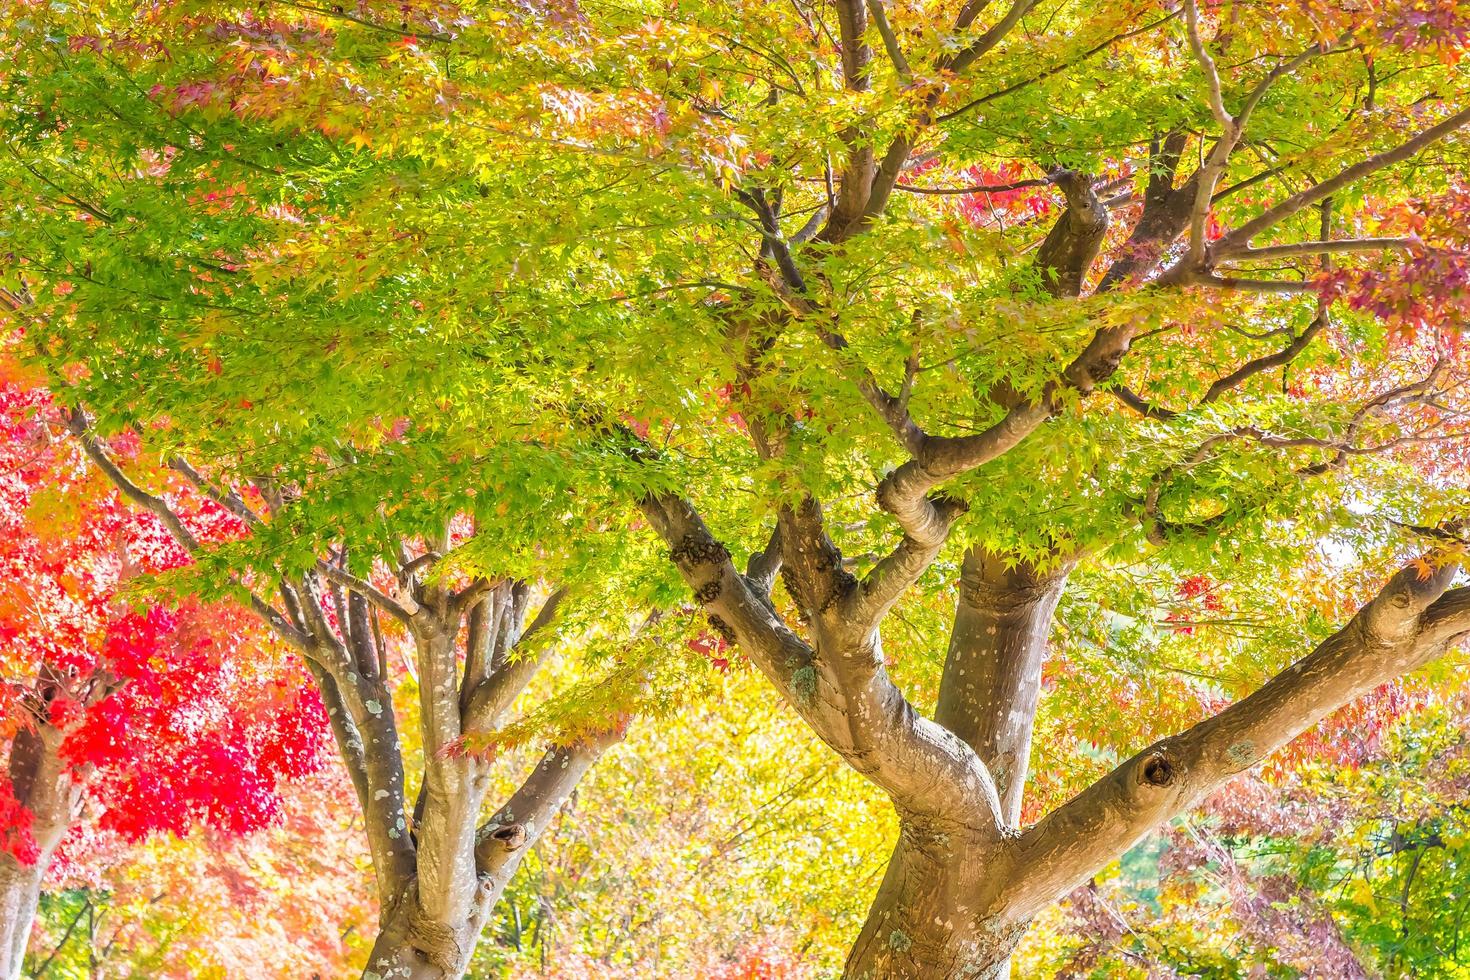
(503, 840)
(926, 527)
(1070, 248)
(857, 173)
(379, 793)
(764, 565)
(1290, 286)
(992, 671)
(1409, 623)
(987, 41)
(845, 695)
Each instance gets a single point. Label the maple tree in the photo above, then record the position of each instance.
(965, 324)
(132, 719)
(422, 617)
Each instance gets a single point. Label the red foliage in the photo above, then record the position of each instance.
(1429, 289)
(764, 960)
(15, 825)
(714, 648)
(169, 717)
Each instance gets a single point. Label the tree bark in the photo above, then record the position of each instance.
(20, 890)
(435, 940)
(42, 785)
(955, 902)
(411, 945)
(923, 924)
(992, 674)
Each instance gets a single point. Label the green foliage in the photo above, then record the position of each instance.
(494, 267)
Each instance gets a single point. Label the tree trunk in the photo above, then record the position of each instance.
(20, 890)
(992, 675)
(435, 940)
(923, 925)
(409, 947)
(924, 922)
(42, 785)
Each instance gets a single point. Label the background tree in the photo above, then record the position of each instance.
(1010, 300)
(174, 286)
(129, 719)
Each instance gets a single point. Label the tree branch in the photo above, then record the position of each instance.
(890, 41)
(367, 590)
(857, 173)
(1070, 248)
(926, 528)
(1242, 236)
(845, 696)
(1280, 358)
(1410, 622)
(1252, 285)
(503, 840)
(76, 422)
(494, 695)
(1055, 69)
(987, 41)
(1244, 253)
(230, 501)
(980, 188)
(764, 565)
(1209, 174)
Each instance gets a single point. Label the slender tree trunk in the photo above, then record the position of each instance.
(20, 890)
(415, 943)
(41, 784)
(924, 922)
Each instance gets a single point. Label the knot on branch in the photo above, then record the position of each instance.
(843, 585)
(698, 549)
(723, 629)
(510, 837)
(1105, 366)
(1158, 770)
(788, 579)
(829, 565)
(436, 941)
(829, 559)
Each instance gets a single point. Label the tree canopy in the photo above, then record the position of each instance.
(1062, 408)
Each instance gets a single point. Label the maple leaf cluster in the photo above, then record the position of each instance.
(169, 716)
